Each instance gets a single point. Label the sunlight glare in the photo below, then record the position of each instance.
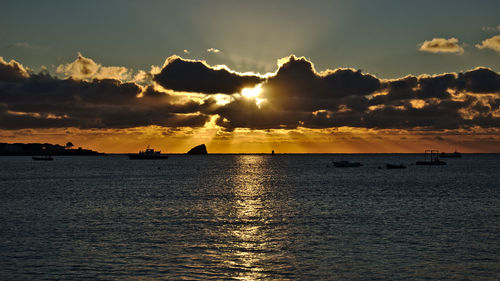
(222, 99)
(252, 92)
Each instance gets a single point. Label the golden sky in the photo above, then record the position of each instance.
(295, 109)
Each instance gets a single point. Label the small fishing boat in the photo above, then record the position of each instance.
(346, 164)
(149, 153)
(392, 166)
(431, 158)
(43, 158)
(455, 154)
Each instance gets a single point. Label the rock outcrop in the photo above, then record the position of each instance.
(198, 150)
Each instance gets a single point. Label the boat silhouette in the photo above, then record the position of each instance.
(43, 158)
(431, 157)
(147, 154)
(346, 164)
(392, 166)
(455, 154)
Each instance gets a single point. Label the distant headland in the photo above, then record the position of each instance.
(29, 149)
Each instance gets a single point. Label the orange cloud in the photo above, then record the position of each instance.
(442, 45)
(83, 68)
(12, 71)
(492, 43)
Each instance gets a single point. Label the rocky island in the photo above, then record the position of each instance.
(198, 150)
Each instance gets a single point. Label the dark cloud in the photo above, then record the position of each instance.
(11, 121)
(399, 90)
(442, 115)
(327, 119)
(12, 71)
(244, 113)
(297, 86)
(43, 101)
(196, 76)
(295, 96)
(479, 80)
(436, 86)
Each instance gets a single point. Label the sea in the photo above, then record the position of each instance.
(249, 217)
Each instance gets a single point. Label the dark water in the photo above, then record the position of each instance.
(249, 217)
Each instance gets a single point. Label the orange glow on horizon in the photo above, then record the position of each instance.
(300, 140)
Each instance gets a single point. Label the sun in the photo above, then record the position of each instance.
(252, 92)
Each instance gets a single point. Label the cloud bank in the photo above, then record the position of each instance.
(196, 76)
(188, 93)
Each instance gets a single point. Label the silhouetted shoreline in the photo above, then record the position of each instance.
(30, 149)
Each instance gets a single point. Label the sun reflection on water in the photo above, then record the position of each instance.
(248, 207)
(246, 221)
(251, 238)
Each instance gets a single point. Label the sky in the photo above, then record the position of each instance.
(252, 76)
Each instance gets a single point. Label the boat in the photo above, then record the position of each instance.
(346, 164)
(149, 153)
(392, 166)
(43, 158)
(431, 157)
(455, 154)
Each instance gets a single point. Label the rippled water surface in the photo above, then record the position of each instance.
(249, 217)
